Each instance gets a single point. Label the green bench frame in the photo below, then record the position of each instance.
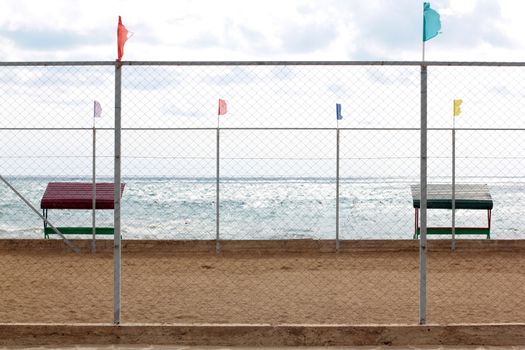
(75, 230)
(484, 231)
(468, 197)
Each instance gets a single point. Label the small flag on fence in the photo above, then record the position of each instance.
(122, 36)
(457, 104)
(222, 107)
(431, 22)
(97, 109)
(338, 111)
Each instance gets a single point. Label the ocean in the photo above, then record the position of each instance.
(263, 208)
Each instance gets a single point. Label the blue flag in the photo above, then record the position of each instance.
(431, 22)
(338, 111)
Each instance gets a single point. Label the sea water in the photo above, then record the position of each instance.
(262, 208)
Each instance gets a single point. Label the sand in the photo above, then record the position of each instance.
(315, 288)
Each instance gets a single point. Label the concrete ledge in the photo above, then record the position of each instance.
(264, 246)
(261, 335)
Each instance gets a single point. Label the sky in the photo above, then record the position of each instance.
(258, 96)
(472, 30)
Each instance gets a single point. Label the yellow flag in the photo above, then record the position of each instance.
(457, 110)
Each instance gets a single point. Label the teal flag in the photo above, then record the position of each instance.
(431, 22)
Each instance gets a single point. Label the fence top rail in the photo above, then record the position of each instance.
(255, 129)
(265, 63)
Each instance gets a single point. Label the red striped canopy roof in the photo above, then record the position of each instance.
(79, 195)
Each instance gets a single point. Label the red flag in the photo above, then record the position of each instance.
(222, 107)
(122, 36)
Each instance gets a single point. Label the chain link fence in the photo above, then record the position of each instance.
(477, 284)
(46, 136)
(275, 212)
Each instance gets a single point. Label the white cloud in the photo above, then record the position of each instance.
(259, 30)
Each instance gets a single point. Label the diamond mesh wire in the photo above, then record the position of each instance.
(262, 179)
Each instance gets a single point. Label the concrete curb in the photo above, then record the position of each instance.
(261, 334)
(263, 246)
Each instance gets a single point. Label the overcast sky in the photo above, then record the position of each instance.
(31, 30)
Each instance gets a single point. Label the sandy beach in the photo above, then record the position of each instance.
(273, 288)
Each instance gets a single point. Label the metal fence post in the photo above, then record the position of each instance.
(423, 202)
(217, 184)
(337, 243)
(94, 193)
(117, 181)
(454, 188)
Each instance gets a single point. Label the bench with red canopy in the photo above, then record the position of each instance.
(78, 196)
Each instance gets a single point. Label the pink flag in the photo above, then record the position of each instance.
(222, 107)
(97, 109)
(122, 36)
